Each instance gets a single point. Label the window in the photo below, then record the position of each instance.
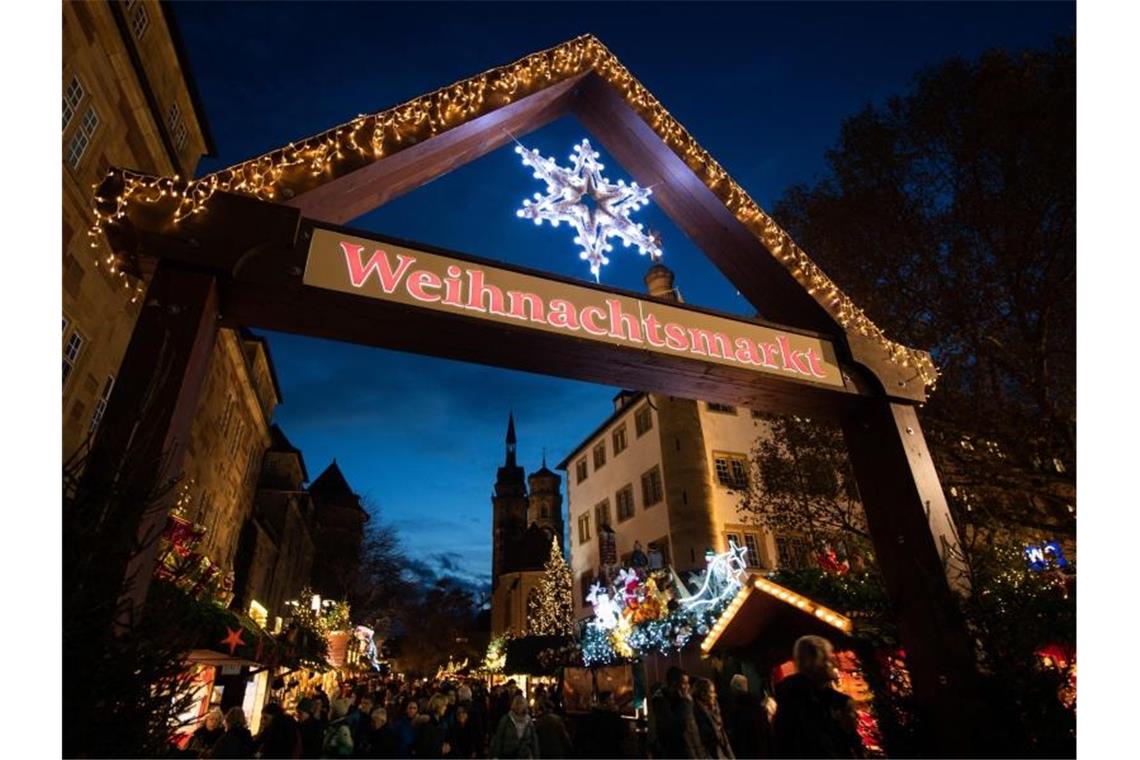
(794, 552)
(584, 583)
(583, 528)
(619, 439)
(101, 403)
(258, 613)
(651, 488)
(600, 455)
(643, 420)
(731, 539)
(624, 500)
(177, 126)
(82, 137)
(753, 546)
(662, 546)
(72, 97)
(139, 18)
(731, 470)
(583, 471)
(721, 408)
(602, 514)
(71, 350)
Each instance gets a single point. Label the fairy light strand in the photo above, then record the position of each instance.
(300, 166)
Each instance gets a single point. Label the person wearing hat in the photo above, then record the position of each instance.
(312, 729)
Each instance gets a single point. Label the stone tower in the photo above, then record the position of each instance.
(508, 507)
(546, 502)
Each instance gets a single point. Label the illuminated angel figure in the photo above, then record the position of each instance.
(606, 610)
(595, 207)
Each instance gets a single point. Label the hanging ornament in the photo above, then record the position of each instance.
(595, 207)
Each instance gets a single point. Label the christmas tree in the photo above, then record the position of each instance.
(551, 608)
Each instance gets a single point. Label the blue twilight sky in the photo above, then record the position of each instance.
(763, 87)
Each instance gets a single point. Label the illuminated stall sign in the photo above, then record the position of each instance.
(1045, 556)
(417, 278)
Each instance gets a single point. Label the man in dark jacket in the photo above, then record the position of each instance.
(746, 720)
(603, 731)
(312, 730)
(236, 741)
(812, 718)
(553, 738)
(279, 735)
(674, 727)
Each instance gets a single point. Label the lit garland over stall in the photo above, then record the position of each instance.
(301, 166)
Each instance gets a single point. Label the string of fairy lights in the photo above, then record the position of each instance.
(300, 166)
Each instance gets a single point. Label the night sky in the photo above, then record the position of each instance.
(763, 87)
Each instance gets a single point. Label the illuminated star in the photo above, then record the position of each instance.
(233, 640)
(595, 207)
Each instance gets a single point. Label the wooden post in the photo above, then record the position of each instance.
(128, 476)
(905, 508)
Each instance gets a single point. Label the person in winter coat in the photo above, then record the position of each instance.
(338, 736)
(714, 739)
(405, 729)
(553, 738)
(279, 737)
(236, 741)
(674, 730)
(380, 740)
(206, 734)
(813, 719)
(311, 728)
(746, 720)
(604, 732)
(431, 729)
(515, 736)
(465, 741)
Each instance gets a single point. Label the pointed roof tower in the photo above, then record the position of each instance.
(511, 441)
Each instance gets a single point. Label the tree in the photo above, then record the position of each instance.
(950, 214)
(801, 484)
(550, 611)
(439, 623)
(378, 586)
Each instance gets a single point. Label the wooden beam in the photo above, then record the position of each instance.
(345, 198)
(910, 528)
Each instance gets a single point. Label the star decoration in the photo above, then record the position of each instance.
(233, 640)
(595, 207)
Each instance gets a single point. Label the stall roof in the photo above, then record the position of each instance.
(762, 607)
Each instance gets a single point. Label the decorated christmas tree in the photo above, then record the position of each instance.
(551, 609)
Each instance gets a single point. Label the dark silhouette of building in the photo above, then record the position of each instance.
(339, 519)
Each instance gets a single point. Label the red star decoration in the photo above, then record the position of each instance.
(233, 639)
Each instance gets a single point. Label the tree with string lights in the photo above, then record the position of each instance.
(550, 611)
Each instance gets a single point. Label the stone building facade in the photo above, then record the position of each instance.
(669, 473)
(128, 101)
(526, 519)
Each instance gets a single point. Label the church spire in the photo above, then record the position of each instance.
(511, 441)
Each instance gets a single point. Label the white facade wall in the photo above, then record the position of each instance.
(734, 434)
(647, 524)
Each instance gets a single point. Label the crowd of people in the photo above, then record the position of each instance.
(392, 718)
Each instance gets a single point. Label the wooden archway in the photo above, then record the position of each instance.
(232, 249)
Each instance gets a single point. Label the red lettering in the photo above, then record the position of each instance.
(675, 337)
(519, 299)
(791, 357)
(453, 293)
(421, 279)
(358, 272)
(562, 314)
(622, 325)
(478, 292)
(589, 314)
(708, 337)
(652, 331)
(814, 361)
(746, 352)
(768, 349)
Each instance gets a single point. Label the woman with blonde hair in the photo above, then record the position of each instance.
(206, 734)
(431, 730)
(710, 726)
(236, 741)
(813, 719)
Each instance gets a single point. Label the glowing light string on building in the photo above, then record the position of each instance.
(605, 216)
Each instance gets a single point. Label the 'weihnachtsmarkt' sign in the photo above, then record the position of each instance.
(417, 278)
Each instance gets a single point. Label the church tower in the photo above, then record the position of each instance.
(508, 507)
(546, 502)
